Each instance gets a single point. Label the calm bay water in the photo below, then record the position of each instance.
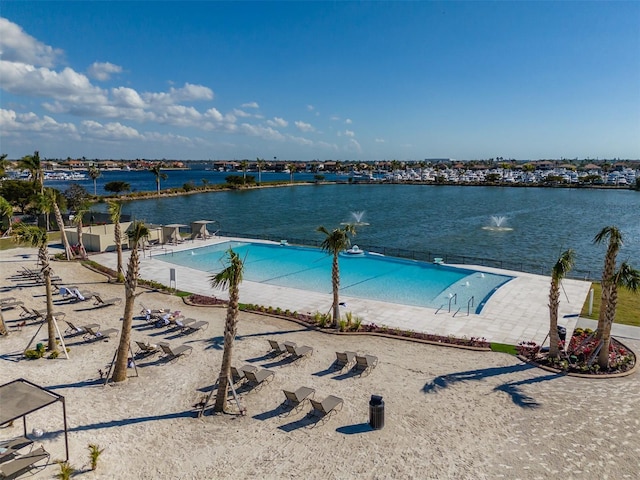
(442, 220)
(143, 180)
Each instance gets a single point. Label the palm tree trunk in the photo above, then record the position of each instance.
(554, 302)
(118, 238)
(122, 356)
(83, 252)
(335, 277)
(230, 328)
(43, 254)
(63, 234)
(607, 276)
(603, 355)
(3, 326)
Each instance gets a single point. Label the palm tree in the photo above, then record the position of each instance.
(615, 242)
(4, 164)
(115, 211)
(44, 204)
(138, 232)
(260, 164)
(560, 270)
(3, 326)
(77, 220)
(159, 175)
(244, 164)
(230, 277)
(33, 164)
(292, 170)
(58, 201)
(6, 210)
(629, 279)
(37, 237)
(94, 174)
(335, 242)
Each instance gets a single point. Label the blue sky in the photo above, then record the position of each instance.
(320, 80)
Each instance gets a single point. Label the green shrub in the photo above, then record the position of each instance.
(357, 323)
(94, 455)
(33, 354)
(66, 470)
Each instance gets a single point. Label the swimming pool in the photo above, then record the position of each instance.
(369, 276)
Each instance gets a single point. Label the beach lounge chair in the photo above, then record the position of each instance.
(10, 305)
(344, 359)
(105, 303)
(277, 348)
(259, 378)
(173, 353)
(146, 348)
(190, 327)
(27, 314)
(238, 374)
(93, 334)
(41, 316)
(152, 311)
(78, 295)
(326, 407)
(295, 400)
(9, 449)
(298, 352)
(366, 363)
(72, 330)
(22, 464)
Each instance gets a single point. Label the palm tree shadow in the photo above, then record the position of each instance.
(444, 381)
(517, 396)
(123, 422)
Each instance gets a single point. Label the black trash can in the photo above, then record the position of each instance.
(376, 412)
(562, 333)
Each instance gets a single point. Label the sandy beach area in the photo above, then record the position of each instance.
(449, 413)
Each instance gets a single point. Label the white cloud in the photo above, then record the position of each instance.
(214, 114)
(348, 121)
(334, 118)
(240, 113)
(349, 133)
(277, 122)
(353, 145)
(331, 146)
(263, 132)
(304, 127)
(22, 79)
(187, 93)
(310, 108)
(127, 97)
(379, 140)
(103, 70)
(250, 105)
(12, 122)
(301, 140)
(109, 131)
(20, 47)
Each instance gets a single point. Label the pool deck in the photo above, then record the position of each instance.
(517, 311)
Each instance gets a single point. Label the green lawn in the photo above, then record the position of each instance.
(627, 311)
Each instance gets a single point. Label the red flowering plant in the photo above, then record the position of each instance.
(528, 349)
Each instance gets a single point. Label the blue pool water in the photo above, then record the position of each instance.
(368, 276)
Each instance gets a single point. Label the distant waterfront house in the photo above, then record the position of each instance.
(544, 165)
